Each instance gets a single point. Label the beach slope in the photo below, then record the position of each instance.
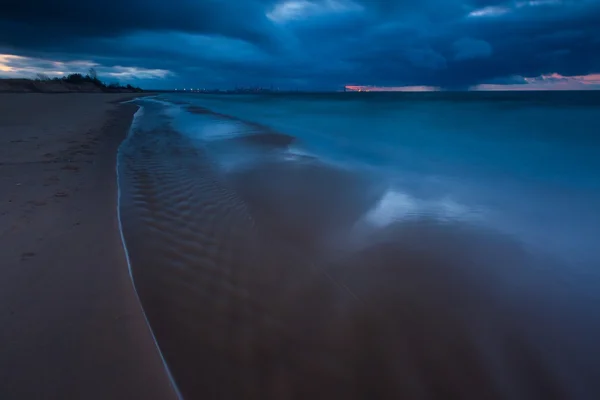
(71, 324)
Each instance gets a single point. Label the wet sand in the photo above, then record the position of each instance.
(260, 284)
(71, 324)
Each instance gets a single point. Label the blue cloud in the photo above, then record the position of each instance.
(312, 44)
(468, 48)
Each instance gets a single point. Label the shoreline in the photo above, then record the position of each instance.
(136, 115)
(72, 325)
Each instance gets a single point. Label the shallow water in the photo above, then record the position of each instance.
(369, 246)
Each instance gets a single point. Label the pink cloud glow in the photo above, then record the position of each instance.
(552, 81)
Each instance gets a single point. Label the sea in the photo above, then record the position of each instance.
(368, 245)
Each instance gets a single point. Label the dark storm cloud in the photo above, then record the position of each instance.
(63, 19)
(315, 43)
(467, 48)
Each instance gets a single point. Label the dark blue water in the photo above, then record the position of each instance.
(527, 164)
(288, 246)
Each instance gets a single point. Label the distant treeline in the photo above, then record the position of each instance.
(90, 78)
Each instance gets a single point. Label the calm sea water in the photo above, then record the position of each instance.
(430, 245)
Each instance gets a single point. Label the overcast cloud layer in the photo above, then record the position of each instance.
(304, 44)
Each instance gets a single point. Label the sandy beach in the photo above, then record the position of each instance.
(71, 324)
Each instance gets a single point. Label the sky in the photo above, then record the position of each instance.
(308, 44)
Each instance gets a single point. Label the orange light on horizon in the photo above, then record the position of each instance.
(365, 88)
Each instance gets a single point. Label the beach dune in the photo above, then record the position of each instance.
(71, 323)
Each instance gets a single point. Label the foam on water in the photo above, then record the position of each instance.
(294, 153)
(214, 130)
(396, 206)
(168, 108)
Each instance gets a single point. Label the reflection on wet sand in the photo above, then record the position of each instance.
(255, 289)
